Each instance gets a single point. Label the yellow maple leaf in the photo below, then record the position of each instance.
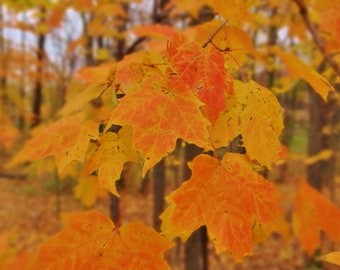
(114, 151)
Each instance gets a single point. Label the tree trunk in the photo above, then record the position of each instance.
(196, 254)
(159, 179)
(3, 68)
(316, 140)
(37, 92)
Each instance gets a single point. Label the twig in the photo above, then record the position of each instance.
(215, 33)
(317, 39)
(4, 176)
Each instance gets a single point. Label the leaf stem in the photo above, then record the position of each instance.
(317, 39)
(224, 22)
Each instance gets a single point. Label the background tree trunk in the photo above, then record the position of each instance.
(37, 91)
(196, 253)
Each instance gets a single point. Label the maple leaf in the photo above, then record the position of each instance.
(313, 213)
(67, 139)
(114, 151)
(228, 197)
(261, 122)
(155, 30)
(234, 43)
(87, 190)
(91, 241)
(255, 113)
(134, 68)
(299, 69)
(332, 257)
(227, 126)
(159, 116)
(202, 69)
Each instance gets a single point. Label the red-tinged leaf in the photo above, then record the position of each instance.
(91, 241)
(110, 10)
(110, 157)
(330, 24)
(202, 69)
(134, 68)
(235, 43)
(67, 139)
(228, 197)
(314, 213)
(332, 257)
(298, 69)
(56, 16)
(95, 75)
(155, 30)
(159, 117)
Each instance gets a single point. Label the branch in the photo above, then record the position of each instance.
(317, 39)
(215, 33)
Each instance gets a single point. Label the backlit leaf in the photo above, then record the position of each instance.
(67, 139)
(332, 257)
(227, 126)
(114, 150)
(228, 197)
(155, 30)
(261, 121)
(135, 68)
(298, 69)
(159, 116)
(91, 241)
(255, 113)
(314, 213)
(202, 69)
(88, 190)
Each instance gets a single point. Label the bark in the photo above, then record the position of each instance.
(114, 201)
(315, 140)
(159, 179)
(3, 79)
(37, 92)
(196, 254)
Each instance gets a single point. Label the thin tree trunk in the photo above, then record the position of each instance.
(159, 179)
(114, 201)
(3, 68)
(196, 254)
(37, 92)
(316, 141)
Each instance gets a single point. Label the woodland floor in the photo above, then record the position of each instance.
(30, 209)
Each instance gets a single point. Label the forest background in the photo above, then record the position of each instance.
(79, 82)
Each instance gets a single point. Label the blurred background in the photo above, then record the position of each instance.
(47, 50)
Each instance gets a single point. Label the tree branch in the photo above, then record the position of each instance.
(224, 22)
(317, 39)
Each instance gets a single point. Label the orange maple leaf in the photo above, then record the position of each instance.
(228, 197)
(159, 116)
(155, 30)
(202, 69)
(67, 139)
(313, 213)
(91, 241)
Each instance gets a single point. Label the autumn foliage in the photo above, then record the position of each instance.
(184, 85)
